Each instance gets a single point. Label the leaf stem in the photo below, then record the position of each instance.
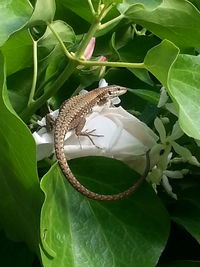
(49, 90)
(91, 7)
(98, 6)
(35, 71)
(110, 22)
(77, 57)
(105, 11)
(74, 61)
(92, 30)
(112, 64)
(66, 52)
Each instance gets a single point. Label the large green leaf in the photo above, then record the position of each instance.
(18, 52)
(14, 14)
(85, 13)
(175, 20)
(183, 85)
(44, 12)
(82, 10)
(19, 85)
(180, 74)
(76, 231)
(107, 2)
(20, 195)
(64, 31)
(186, 211)
(150, 96)
(135, 51)
(148, 4)
(159, 60)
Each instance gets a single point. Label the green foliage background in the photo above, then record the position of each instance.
(147, 43)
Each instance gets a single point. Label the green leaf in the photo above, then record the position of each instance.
(19, 85)
(148, 4)
(196, 3)
(180, 74)
(54, 63)
(135, 51)
(43, 13)
(14, 14)
(107, 2)
(82, 10)
(159, 60)
(183, 85)
(64, 31)
(143, 75)
(20, 195)
(77, 231)
(175, 20)
(18, 52)
(150, 96)
(113, 47)
(186, 211)
(87, 77)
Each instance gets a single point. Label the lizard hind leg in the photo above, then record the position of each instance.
(78, 130)
(50, 122)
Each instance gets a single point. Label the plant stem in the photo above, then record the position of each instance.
(91, 7)
(74, 60)
(49, 91)
(66, 52)
(92, 30)
(35, 70)
(98, 6)
(112, 64)
(94, 27)
(105, 11)
(72, 64)
(110, 22)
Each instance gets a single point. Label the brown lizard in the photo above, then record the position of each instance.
(72, 115)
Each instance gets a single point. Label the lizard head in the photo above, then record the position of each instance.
(116, 90)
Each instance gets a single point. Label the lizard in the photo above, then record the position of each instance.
(72, 116)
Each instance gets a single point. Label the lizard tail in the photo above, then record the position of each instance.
(59, 150)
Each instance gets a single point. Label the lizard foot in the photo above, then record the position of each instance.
(89, 134)
(50, 122)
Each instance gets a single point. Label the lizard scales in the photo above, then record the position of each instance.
(72, 116)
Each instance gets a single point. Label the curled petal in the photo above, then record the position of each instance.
(167, 186)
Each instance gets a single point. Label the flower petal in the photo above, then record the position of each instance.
(119, 135)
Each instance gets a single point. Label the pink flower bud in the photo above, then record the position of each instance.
(90, 48)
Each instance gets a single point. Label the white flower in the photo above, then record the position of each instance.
(122, 136)
(160, 173)
(163, 97)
